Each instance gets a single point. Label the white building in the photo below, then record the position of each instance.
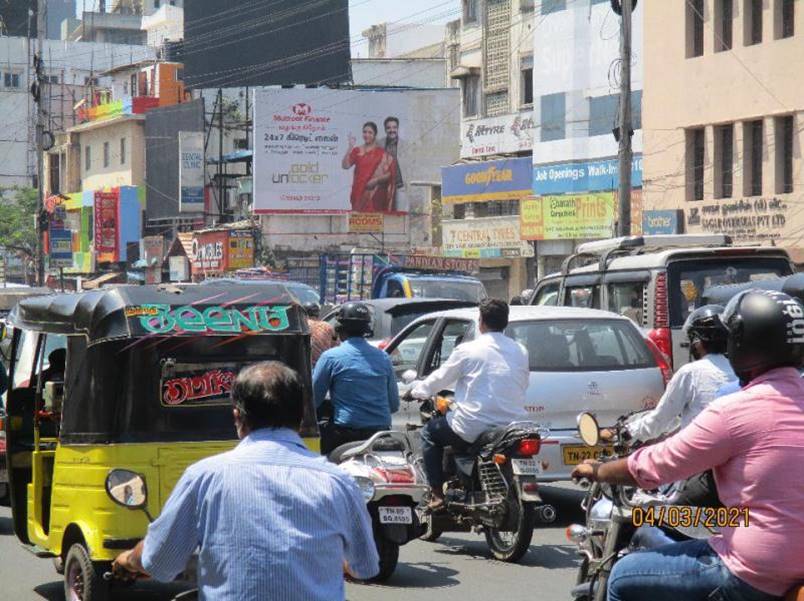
(69, 67)
(164, 25)
(576, 51)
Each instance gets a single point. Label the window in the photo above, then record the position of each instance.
(156, 3)
(502, 208)
(241, 144)
(405, 355)
(636, 109)
(752, 158)
(454, 333)
(784, 19)
(525, 6)
(628, 299)
(784, 154)
(469, 12)
(553, 117)
(587, 297)
(696, 156)
(600, 2)
(547, 295)
(122, 151)
(695, 28)
(752, 33)
(553, 6)
(52, 79)
(459, 211)
(105, 154)
(87, 158)
(724, 160)
(471, 96)
(526, 81)
(723, 25)
(54, 173)
(497, 103)
(603, 111)
(11, 80)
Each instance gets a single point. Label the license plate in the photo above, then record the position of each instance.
(395, 515)
(575, 454)
(526, 467)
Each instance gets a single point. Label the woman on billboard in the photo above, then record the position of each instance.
(374, 179)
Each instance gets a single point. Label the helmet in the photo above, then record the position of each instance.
(312, 309)
(704, 324)
(355, 318)
(766, 330)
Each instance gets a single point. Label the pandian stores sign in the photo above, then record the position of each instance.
(571, 216)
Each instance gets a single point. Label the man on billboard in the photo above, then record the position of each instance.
(374, 177)
(391, 145)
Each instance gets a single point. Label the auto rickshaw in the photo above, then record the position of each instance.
(114, 392)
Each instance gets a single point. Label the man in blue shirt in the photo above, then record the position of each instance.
(270, 519)
(360, 381)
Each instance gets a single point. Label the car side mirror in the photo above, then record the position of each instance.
(588, 429)
(409, 376)
(127, 488)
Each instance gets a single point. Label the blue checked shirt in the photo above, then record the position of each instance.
(271, 521)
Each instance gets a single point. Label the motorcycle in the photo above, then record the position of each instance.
(383, 469)
(491, 486)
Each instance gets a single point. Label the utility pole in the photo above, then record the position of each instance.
(221, 203)
(40, 138)
(626, 127)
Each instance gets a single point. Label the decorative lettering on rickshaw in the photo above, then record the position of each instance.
(164, 319)
(211, 385)
(140, 311)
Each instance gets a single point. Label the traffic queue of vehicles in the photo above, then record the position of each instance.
(114, 392)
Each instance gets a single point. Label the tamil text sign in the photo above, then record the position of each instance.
(506, 179)
(191, 171)
(576, 216)
(584, 176)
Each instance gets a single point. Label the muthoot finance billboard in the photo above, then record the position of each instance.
(337, 151)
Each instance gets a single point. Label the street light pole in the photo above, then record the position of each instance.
(40, 137)
(626, 127)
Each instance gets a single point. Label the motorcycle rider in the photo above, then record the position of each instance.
(322, 334)
(490, 375)
(754, 441)
(360, 381)
(694, 385)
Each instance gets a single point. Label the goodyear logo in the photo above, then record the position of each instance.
(488, 176)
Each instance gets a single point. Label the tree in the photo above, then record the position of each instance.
(17, 229)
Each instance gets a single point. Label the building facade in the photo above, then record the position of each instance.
(723, 115)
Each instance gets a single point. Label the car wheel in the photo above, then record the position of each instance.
(83, 580)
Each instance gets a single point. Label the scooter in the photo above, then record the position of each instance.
(393, 488)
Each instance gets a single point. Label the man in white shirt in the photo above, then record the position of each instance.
(490, 375)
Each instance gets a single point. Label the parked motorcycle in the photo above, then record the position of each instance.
(491, 486)
(383, 468)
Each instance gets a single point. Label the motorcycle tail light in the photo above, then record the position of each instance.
(529, 447)
(396, 475)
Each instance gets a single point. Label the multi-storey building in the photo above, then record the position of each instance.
(723, 114)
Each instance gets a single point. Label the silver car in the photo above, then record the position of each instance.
(580, 360)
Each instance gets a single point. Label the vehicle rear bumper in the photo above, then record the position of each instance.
(551, 455)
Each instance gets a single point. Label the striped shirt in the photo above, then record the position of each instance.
(322, 338)
(270, 520)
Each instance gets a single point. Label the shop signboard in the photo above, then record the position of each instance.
(61, 248)
(583, 176)
(208, 251)
(107, 226)
(366, 223)
(240, 250)
(574, 216)
(505, 179)
(662, 222)
(484, 238)
(497, 135)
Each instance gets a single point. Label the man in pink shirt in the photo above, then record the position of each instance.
(754, 440)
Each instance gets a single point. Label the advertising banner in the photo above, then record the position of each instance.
(366, 223)
(191, 171)
(662, 222)
(578, 216)
(506, 179)
(107, 247)
(335, 151)
(583, 176)
(490, 237)
(240, 250)
(497, 135)
(208, 251)
(61, 248)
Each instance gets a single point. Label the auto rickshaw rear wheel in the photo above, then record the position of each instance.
(83, 580)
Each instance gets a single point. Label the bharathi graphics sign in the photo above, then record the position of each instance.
(568, 217)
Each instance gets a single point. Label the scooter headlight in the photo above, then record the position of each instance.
(366, 487)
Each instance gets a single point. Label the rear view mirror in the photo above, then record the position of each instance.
(588, 429)
(127, 488)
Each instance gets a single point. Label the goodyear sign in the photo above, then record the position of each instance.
(507, 179)
(567, 217)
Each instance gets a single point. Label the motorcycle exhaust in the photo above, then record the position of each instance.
(546, 514)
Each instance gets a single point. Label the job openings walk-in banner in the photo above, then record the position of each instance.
(334, 151)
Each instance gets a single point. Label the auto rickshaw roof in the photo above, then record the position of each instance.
(163, 310)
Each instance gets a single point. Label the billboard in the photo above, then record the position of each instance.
(218, 251)
(107, 218)
(191, 171)
(61, 247)
(577, 216)
(497, 135)
(583, 176)
(247, 43)
(339, 151)
(506, 179)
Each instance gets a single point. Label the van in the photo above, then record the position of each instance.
(657, 281)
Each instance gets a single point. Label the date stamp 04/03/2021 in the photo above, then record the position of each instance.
(674, 516)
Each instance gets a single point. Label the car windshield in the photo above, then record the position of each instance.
(467, 290)
(304, 293)
(582, 345)
(688, 281)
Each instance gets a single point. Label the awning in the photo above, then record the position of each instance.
(238, 156)
(462, 72)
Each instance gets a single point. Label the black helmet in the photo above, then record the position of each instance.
(766, 330)
(312, 309)
(355, 319)
(704, 324)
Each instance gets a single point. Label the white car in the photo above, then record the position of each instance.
(580, 360)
